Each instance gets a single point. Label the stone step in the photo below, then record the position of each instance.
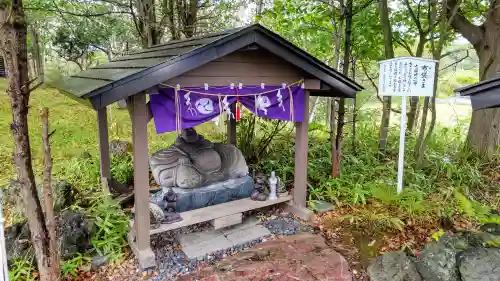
(198, 245)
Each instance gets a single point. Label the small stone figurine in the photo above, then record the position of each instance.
(170, 201)
(169, 207)
(260, 182)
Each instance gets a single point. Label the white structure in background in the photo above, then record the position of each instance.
(4, 273)
(406, 77)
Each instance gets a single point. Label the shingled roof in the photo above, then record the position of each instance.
(141, 70)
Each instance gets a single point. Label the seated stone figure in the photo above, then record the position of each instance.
(192, 161)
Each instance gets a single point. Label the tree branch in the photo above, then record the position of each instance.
(456, 62)
(473, 33)
(454, 52)
(362, 7)
(368, 76)
(86, 15)
(414, 17)
(403, 44)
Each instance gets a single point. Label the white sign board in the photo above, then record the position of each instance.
(406, 76)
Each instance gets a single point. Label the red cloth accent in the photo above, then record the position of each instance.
(238, 110)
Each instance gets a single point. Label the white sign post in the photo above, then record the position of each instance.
(406, 77)
(4, 271)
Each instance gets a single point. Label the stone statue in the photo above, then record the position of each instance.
(192, 161)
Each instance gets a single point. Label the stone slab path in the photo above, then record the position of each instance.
(303, 257)
(198, 245)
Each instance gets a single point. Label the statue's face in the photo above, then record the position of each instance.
(189, 135)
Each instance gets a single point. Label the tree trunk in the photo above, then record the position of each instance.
(37, 53)
(47, 192)
(389, 53)
(354, 109)
(190, 15)
(333, 104)
(13, 47)
(484, 129)
(414, 101)
(313, 109)
(147, 23)
(345, 71)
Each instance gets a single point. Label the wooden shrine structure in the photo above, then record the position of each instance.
(251, 55)
(484, 94)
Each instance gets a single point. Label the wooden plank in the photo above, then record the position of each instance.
(144, 63)
(243, 69)
(301, 148)
(141, 174)
(103, 138)
(261, 56)
(227, 221)
(187, 81)
(80, 86)
(218, 211)
(158, 54)
(112, 74)
(312, 84)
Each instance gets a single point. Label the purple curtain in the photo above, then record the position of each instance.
(195, 106)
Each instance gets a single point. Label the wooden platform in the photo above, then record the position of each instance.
(218, 211)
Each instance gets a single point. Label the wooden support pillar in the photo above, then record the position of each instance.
(141, 245)
(102, 129)
(231, 126)
(298, 205)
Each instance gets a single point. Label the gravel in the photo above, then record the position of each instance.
(284, 225)
(172, 262)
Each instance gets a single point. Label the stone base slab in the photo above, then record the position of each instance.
(217, 193)
(199, 244)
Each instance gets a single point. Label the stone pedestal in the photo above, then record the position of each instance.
(217, 193)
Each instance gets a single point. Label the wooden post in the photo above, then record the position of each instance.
(298, 206)
(231, 126)
(140, 120)
(102, 129)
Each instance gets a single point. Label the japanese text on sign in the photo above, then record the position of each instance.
(407, 76)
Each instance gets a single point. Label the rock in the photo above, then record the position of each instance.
(395, 266)
(17, 242)
(75, 233)
(156, 214)
(62, 192)
(301, 257)
(479, 264)
(437, 262)
(98, 261)
(458, 242)
(12, 199)
(322, 206)
(493, 228)
(119, 148)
